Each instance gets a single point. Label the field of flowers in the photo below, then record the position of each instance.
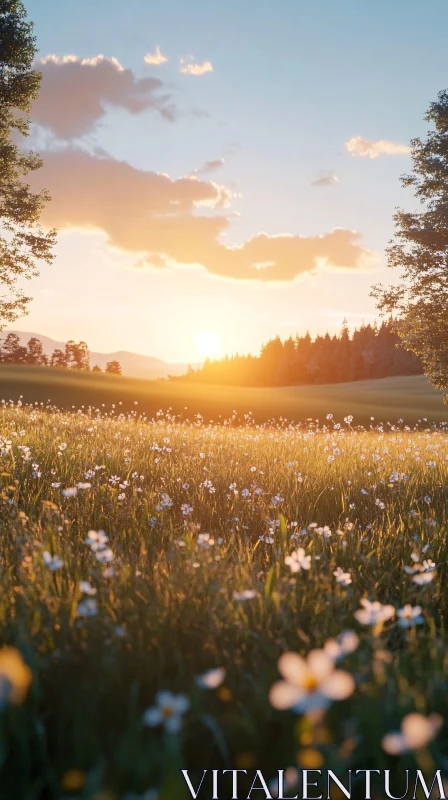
(177, 593)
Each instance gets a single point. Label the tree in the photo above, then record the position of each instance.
(113, 368)
(420, 250)
(35, 352)
(11, 351)
(77, 355)
(23, 241)
(59, 359)
(96, 368)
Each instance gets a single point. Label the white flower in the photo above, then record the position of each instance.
(205, 540)
(104, 556)
(88, 608)
(310, 683)
(416, 732)
(409, 615)
(423, 578)
(246, 594)
(323, 531)
(52, 562)
(70, 492)
(86, 588)
(375, 612)
(346, 643)
(298, 560)
(212, 678)
(344, 578)
(168, 710)
(84, 485)
(96, 540)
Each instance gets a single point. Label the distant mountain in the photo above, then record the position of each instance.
(133, 365)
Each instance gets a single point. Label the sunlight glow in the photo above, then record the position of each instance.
(207, 344)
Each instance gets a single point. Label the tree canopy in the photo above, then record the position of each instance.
(420, 250)
(23, 242)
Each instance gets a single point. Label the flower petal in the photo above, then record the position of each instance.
(320, 664)
(394, 743)
(338, 685)
(152, 717)
(293, 668)
(173, 724)
(418, 730)
(283, 695)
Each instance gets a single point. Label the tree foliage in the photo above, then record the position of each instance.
(420, 250)
(113, 367)
(23, 242)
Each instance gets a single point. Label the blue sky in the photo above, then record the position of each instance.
(291, 84)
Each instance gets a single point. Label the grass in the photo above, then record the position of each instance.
(411, 397)
(185, 584)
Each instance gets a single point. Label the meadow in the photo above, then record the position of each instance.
(387, 399)
(182, 593)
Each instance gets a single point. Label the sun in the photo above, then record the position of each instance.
(207, 344)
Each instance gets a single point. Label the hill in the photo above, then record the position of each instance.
(134, 365)
(410, 398)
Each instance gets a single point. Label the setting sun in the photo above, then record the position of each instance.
(207, 344)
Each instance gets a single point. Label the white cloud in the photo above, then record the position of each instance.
(189, 67)
(156, 59)
(357, 146)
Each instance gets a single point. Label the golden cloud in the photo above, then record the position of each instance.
(157, 219)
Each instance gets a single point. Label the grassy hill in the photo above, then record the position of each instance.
(388, 399)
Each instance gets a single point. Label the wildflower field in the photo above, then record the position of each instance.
(182, 594)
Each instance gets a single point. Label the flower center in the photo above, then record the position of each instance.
(167, 712)
(310, 682)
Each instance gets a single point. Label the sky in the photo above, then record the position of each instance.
(223, 172)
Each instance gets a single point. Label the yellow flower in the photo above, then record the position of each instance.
(15, 676)
(73, 780)
(310, 759)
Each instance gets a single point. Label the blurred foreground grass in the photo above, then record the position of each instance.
(223, 548)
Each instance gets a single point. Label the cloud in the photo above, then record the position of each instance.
(210, 166)
(156, 59)
(357, 146)
(158, 220)
(327, 179)
(76, 93)
(189, 67)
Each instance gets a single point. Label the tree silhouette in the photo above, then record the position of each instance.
(420, 250)
(370, 352)
(113, 368)
(23, 242)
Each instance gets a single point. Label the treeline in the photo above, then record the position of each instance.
(370, 352)
(75, 355)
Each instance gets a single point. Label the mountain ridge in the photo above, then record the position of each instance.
(133, 365)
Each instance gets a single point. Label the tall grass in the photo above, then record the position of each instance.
(199, 520)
